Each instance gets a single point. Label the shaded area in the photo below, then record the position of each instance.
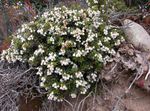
(19, 87)
(28, 104)
(12, 16)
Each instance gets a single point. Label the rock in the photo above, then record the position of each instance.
(136, 35)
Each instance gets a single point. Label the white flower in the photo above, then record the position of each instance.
(40, 31)
(39, 51)
(100, 43)
(30, 37)
(94, 76)
(74, 66)
(62, 52)
(122, 39)
(66, 77)
(58, 71)
(43, 79)
(104, 48)
(39, 72)
(45, 14)
(51, 39)
(118, 42)
(52, 56)
(99, 56)
(31, 58)
(63, 87)
(112, 51)
(80, 83)
(84, 91)
(105, 31)
(50, 69)
(55, 85)
(8, 58)
(51, 96)
(24, 47)
(43, 62)
(65, 62)
(114, 34)
(106, 39)
(91, 37)
(95, 1)
(21, 52)
(41, 84)
(88, 48)
(78, 53)
(20, 37)
(73, 95)
(77, 34)
(79, 74)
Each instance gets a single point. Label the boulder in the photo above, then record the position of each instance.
(136, 35)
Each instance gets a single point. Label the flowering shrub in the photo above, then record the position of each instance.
(68, 47)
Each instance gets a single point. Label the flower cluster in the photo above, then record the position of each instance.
(68, 48)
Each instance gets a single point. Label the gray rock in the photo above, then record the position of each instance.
(136, 35)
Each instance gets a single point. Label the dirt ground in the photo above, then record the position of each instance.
(115, 99)
(135, 100)
(111, 98)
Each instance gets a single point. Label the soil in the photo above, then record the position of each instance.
(111, 98)
(115, 99)
(135, 100)
(29, 104)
